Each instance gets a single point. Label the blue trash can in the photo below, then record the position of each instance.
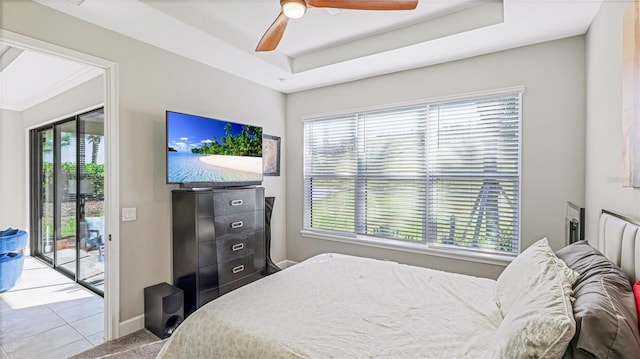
(12, 241)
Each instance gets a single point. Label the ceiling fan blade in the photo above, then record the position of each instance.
(271, 38)
(365, 4)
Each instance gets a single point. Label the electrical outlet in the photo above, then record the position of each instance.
(128, 214)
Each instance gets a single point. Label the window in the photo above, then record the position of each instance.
(442, 174)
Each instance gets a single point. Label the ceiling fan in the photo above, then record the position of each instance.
(293, 9)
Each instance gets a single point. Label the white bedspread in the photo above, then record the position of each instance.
(337, 306)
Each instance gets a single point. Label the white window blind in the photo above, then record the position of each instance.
(331, 165)
(474, 167)
(442, 174)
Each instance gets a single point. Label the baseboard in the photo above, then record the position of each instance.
(286, 264)
(131, 325)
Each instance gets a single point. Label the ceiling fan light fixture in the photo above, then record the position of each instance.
(294, 9)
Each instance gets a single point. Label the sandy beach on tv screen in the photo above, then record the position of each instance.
(246, 164)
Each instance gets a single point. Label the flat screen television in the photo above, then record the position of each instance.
(209, 152)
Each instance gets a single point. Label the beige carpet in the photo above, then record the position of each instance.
(139, 345)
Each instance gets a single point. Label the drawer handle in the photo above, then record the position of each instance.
(237, 247)
(238, 269)
(236, 202)
(238, 224)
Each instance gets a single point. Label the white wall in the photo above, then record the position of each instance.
(13, 187)
(604, 120)
(151, 81)
(553, 75)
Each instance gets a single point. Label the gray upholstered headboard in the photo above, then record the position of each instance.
(619, 240)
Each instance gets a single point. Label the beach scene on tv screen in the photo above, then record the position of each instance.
(201, 149)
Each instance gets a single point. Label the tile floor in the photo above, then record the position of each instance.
(47, 315)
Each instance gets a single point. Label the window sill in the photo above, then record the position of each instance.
(420, 248)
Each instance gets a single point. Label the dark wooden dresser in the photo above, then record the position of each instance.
(218, 242)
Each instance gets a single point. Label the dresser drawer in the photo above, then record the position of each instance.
(237, 201)
(208, 295)
(235, 269)
(236, 224)
(206, 229)
(239, 283)
(207, 253)
(205, 204)
(208, 277)
(235, 247)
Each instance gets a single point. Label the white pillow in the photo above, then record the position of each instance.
(534, 295)
(525, 270)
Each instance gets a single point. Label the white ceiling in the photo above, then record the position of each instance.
(329, 47)
(31, 78)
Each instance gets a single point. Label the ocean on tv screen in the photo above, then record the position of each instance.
(185, 167)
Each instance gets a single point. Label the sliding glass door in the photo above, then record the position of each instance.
(44, 198)
(68, 197)
(90, 189)
(66, 208)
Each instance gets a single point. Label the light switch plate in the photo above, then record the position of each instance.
(128, 214)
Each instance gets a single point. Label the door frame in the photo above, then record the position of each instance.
(111, 181)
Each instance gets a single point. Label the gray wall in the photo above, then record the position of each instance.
(553, 75)
(151, 81)
(604, 120)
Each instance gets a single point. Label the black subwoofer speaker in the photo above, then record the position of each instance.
(163, 309)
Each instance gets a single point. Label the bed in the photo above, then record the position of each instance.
(575, 303)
